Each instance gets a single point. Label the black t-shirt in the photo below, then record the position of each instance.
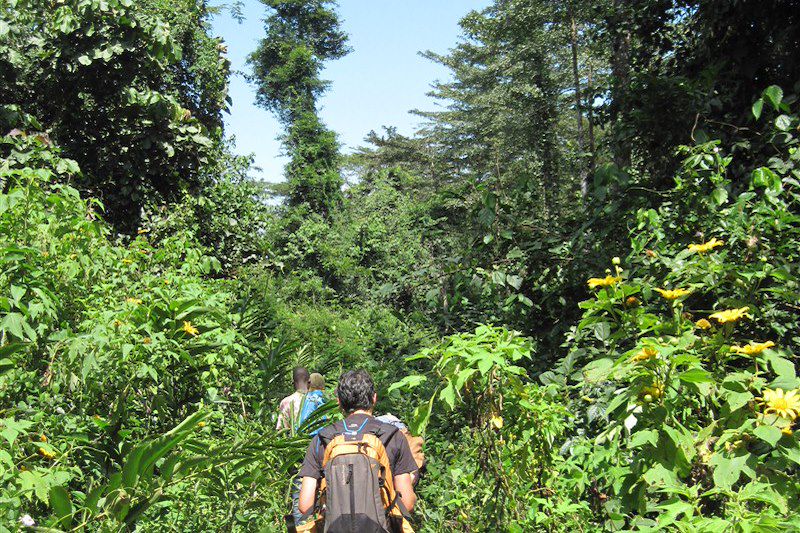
(400, 458)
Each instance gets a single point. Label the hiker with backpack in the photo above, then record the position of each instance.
(415, 444)
(313, 400)
(357, 475)
(309, 401)
(289, 410)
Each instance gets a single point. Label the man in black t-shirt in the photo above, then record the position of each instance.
(356, 397)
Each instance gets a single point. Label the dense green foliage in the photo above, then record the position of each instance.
(579, 280)
(135, 101)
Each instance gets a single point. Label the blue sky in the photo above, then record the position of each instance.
(375, 85)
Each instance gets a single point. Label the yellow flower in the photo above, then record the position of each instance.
(785, 405)
(143, 231)
(646, 353)
(731, 315)
(43, 437)
(673, 294)
(147, 340)
(632, 301)
(117, 323)
(754, 348)
(134, 301)
(706, 246)
(47, 454)
(703, 324)
(603, 282)
(126, 261)
(497, 422)
(189, 328)
(201, 424)
(787, 431)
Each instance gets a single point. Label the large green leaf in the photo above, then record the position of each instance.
(448, 394)
(727, 470)
(159, 447)
(421, 417)
(130, 469)
(407, 383)
(773, 95)
(758, 105)
(598, 370)
(61, 504)
(696, 375)
(769, 434)
(764, 493)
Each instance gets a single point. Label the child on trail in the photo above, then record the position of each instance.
(358, 473)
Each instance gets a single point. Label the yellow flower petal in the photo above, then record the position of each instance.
(753, 348)
(646, 353)
(706, 246)
(731, 315)
(189, 328)
(603, 282)
(673, 294)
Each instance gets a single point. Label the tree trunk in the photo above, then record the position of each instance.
(578, 111)
(620, 72)
(590, 116)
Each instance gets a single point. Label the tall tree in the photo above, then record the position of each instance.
(503, 102)
(300, 36)
(619, 27)
(573, 45)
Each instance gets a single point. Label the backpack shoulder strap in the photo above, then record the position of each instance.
(383, 431)
(329, 433)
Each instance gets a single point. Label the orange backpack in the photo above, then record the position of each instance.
(357, 492)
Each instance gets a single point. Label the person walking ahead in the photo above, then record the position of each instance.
(360, 467)
(312, 401)
(289, 410)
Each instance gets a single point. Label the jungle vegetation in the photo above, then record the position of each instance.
(579, 279)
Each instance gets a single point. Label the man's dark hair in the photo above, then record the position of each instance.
(355, 391)
(301, 377)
